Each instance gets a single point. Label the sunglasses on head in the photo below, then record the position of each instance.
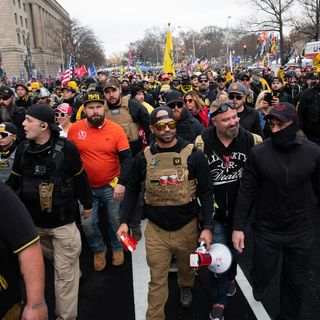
(188, 100)
(4, 98)
(223, 108)
(4, 134)
(235, 96)
(174, 104)
(61, 114)
(161, 126)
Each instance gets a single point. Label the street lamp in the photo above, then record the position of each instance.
(227, 31)
(193, 42)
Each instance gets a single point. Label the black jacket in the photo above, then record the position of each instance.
(249, 119)
(34, 164)
(309, 112)
(226, 167)
(280, 182)
(171, 218)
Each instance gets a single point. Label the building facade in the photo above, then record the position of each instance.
(28, 40)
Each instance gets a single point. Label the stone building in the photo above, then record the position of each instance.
(28, 40)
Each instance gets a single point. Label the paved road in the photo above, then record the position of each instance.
(109, 294)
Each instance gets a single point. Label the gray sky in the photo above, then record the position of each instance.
(117, 23)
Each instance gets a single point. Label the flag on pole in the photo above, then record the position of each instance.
(81, 71)
(68, 74)
(168, 60)
(92, 70)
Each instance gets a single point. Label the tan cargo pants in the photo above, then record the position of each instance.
(62, 246)
(160, 246)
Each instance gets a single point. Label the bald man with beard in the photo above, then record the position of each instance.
(9, 112)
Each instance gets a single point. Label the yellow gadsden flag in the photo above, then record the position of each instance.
(316, 62)
(168, 61)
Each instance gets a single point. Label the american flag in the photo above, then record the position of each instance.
(68, 74)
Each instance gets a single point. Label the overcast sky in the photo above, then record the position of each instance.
(117, 23)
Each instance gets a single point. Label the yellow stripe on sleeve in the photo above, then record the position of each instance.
(27, 245)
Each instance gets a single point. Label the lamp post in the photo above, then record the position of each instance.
(193, 42)
(227, 36)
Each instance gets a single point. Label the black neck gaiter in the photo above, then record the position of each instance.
(286, 137)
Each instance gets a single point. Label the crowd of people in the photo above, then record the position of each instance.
(204, 157)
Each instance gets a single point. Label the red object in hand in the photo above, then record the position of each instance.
(129, 243)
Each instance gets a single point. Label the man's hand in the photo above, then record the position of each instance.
(275, 101)
(238, 240)
(118, 192)
(206, 236)
(122, 229)
(86, 213)
(37, 311)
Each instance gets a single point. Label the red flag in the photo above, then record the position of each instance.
(80, 72)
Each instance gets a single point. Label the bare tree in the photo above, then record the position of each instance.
(275, 17)
(309, 24)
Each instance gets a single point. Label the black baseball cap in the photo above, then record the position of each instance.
(44, 113)
(6, 92)
(93, 96)
(284, 112)
(154, 114)
(174, 96)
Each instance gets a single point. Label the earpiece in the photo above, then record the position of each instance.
(43, 126)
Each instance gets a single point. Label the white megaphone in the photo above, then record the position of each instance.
(218, 259)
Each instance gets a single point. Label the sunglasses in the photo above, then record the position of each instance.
(223, 108)
(237, 97)
(161, 126)
(221, 80)
(4, 98)
(174, 104)
(188, 100)
(203, 81)
(61, 114)
(4, 134)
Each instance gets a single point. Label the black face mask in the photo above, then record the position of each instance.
(286, 137)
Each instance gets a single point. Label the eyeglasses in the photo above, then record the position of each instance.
(233, 96)
(161, 126)
(223, 108)
(245, 79)
(61, 114)
(4, 98)
(203, 81)
(174, 104)
(188, 100)
(4, 134)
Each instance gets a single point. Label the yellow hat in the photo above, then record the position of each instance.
(35, 85)
(73, 85)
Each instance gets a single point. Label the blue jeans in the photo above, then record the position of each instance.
(111, 210)
(223, 234)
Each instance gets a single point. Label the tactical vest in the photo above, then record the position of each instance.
(6, 166)
(122, 117)
(162, 166)
(47, 167)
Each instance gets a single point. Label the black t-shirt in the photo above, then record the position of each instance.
(17, 232)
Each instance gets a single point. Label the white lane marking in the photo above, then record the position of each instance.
(141, 277)
(257, 307)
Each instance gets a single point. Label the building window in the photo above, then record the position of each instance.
(26, 23)
(14, 2)
(24, 39)
(24, 7)
(18, 38)
(16, 18)
(21, 21)
(19, 4)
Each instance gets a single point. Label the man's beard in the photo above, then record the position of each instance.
(6, 113)
(168, 138)
(232, 132)
(96, 121)
(115, 104)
